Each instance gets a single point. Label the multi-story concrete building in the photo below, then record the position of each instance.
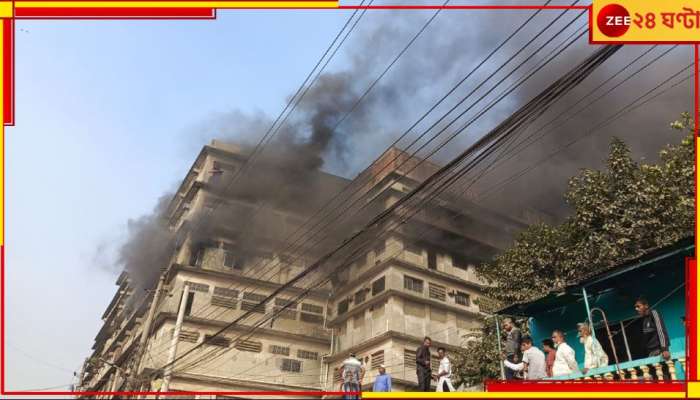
(413, 281)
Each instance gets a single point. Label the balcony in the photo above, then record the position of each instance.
(639, 370)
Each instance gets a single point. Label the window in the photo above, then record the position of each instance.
(308, 355)
(197, 287)
(282, 302)
(379, 249)
(189, 336)
(378, 286)
(231, 260)
(413, 284)
(281, 350)
(460, 261)
(197, 256)
(409, 358)
(343, 307)
(288, 312)
(190, 302)
(253, 296)
(377, 359)
(249, 345)
(290, 365)
(225, 292)
(432, 259)
(312, 308)
(226, 302)
(224, 297)
(253, 303)
(219, 341)
(412, 248)
(285, 313)
(437, 292)
(315, 318)
(462, 298)
(360, 296)
(311, 318)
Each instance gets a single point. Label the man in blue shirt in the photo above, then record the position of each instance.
(383, 381)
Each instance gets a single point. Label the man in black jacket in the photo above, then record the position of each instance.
(653, 330)
(655, 335)
(423, 365)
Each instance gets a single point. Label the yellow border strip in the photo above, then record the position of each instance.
(176, 4)
(524, 395)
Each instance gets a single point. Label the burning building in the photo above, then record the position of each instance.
(223, 250)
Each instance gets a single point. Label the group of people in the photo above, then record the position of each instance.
(352, 373)
(522, 360)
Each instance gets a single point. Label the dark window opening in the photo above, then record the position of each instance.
(462, 299)
(343, 307)
(378, 286)
(190, 301)
(413, 284)
(197, 256)
(233, 261)
(432, 259)
(360, 296)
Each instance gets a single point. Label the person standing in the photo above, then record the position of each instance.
(352, 373)
(383, 381)
(565, 359)
(444, 374)
(653, 330)
(423, 365)
(551, 352)
(533, 365)
(654, 333)
(511, 345)
(594, 355)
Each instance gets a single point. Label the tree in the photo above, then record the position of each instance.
(618, 214)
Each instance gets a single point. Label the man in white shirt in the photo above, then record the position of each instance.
(533, 363)
(565, 360)
(444, 375)
(352, 373)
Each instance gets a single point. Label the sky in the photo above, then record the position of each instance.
(111, 114)
(109, 117)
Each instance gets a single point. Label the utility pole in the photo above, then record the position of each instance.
(176, 335)
(140, 350)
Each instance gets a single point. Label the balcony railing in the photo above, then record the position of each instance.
(641, 369)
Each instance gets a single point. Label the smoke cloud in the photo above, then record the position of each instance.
(293, 171)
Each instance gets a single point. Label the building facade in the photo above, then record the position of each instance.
(414, 280)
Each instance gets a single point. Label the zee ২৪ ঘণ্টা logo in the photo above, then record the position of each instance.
(613, 20)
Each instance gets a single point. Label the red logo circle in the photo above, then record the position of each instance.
(613, 20)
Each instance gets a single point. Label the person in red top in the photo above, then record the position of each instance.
(548, 348)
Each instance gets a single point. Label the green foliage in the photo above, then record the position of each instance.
(618, 214)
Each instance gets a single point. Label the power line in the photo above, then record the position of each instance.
(42, 389)
(39, 360)
(454, 88)
(506, 77)
(488, 142)
(512, 151)
(627, 108)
